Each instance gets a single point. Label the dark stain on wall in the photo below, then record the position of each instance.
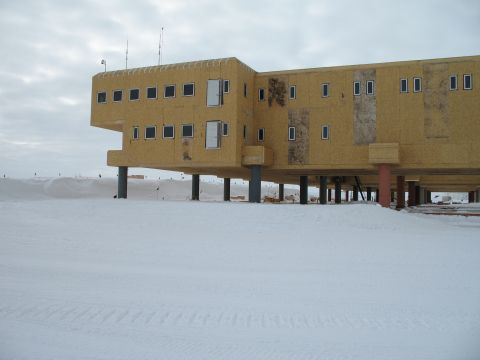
(186, 149)
(364, 109)
(298, 149)
(435, 101)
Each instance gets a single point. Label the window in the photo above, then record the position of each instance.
(151, 93)
(261, 134)
(169, 91)
(292, 94)
(370, 87)
(212, 138)
(325, 132)
(245, 89)
(261, 94)
(226, 86)
(117, 95)
(214, 93)
(168, 131)
(225, 129)
(403, 85)
(135, 133)
(467, 82)
(453, 82)
(189, 89)
(244, 132)
(356, 88)
(134, 94)
(101, 97)
(187, 131)
(291, 133)
(150, 132)
(417, 84)
(325, 90)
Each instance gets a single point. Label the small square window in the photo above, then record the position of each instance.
(453, 82)
(134, 94)
(169, 91)
(291, 133)
(225, 129)
(261, 94)
(292, 94)
(356, 88)
(168, 132)
(417, 84)
(150, 132)
(245, 89)
(325, 90)
(151, 93)
(261, 134)
(189, 89)
(226, 86)
(467, 82)
(102, 97)
(135, 133)
(187, 131)
(403, 85)
(117, 95)
(325, 132)
(370, 87)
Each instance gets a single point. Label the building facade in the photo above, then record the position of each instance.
(389, 126)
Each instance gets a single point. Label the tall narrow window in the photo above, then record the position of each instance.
(356, 88)
(212, 137)
(261, 94)
(245, 132)
(168, 132)
(417, 84)
(214, 93)
(325, 90)
(189, 89)
(169, 91)
(150, 132)
(226, 86)
(403, 85)
(453, 82)
(117, 95)
(245, 89)
(325, 132)
(291, 133)
(187, 131)
(224, 129)
(292, 94)
(370, 87)
(102, 97)
(152, 92)
(261, 134)
(467, 82)
(135, 133)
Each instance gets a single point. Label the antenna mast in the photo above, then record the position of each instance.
(126, 57)
(160, 46)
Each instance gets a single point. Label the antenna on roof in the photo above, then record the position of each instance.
(126, 57)
(160, 46)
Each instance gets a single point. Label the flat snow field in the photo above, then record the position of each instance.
(100, 278)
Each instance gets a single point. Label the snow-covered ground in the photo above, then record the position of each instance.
(86, 276)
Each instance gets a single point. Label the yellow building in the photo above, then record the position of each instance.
(347, 126)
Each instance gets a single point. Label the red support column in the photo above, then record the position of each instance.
(384, 184)
(400, 192)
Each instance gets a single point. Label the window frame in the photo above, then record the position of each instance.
(327, 87)
(290, 138)
(245, 132)
(154, 127)
(156, 93)
(262, 132)
(373, 88)
(290, 88)
(450, 82)
(402, 80)
(102, 92)
(328, 132)
(182, 130)
(225, 125)
(471, 81)
(130, 94)
(113, 95)
(137, 130)
(164, 126)
(261, 94)
(415, 90)
(226, 85)
(165, 91)
(245, 89)
(359, 93)
(193, 88)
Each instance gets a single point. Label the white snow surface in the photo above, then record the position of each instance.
(86, 276)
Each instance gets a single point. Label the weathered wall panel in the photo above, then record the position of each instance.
(364, 110)
(298, 149)
(436, 122)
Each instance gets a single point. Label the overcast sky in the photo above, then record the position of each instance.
(51, 49)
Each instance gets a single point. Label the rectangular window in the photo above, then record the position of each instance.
(212, 138)
(356, 88)
(168, 132)
(150, 132)
(325, 132)
(325, 90)
(117, 95)
(169, 91)
(189, 89)
(453, 82)
(187, 131)
(226, 86)
(261, 134)
(292, 94)
(467, 82)
(417, 84)
(102, 97)
(151, 93)
(225, 129)
(245, 89)
(291, 133)
(245, 132)
(134, 94)
(135, 133)
(403, 85)
(261, 94)
(214, 93)
(370, 87)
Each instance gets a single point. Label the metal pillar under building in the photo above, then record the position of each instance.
(303, 190)
(411, 193)
(255, 184)
(122, 182)
(400, 192)
(338, 189)
(195, 187)
(417, 195)
(323, 190)
(329, 195)
(429, 197)
(281, 192)
(226, 189)
(471, 197)
(355, 193)
(369, 194)
(478, 196)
